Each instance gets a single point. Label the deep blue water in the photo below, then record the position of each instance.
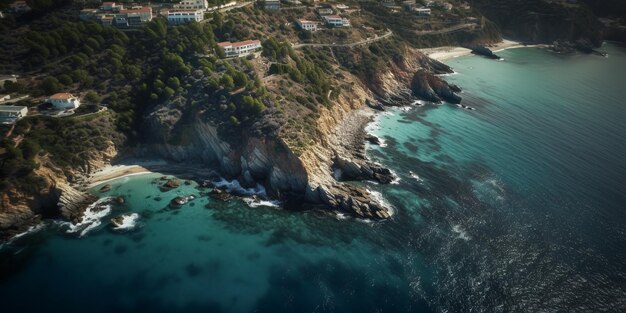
(517, 206)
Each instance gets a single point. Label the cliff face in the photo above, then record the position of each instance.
(317, 176)
(21, 208)
(542, 21)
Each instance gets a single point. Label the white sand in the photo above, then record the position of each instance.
(449, 52)
(111, 172)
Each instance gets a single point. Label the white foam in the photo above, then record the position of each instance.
(91, 218)
(462, 233)
(129, 221)
(396, 180)
(234, 186)
(380, 199)
(255, 203)
(341, 216)
(414, 176)
(30, 230)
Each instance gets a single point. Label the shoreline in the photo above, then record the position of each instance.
(445, 53)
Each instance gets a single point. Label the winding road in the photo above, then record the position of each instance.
(349, 45)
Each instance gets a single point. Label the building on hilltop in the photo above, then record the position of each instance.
(422, 11)
(325, 11)
(137, 15)
(242, 48)
(272, 5)
(111, 7)
(337, 21)
(192, 5)
(307, 25)
(9, 114)
(177, 17)
(63, 101)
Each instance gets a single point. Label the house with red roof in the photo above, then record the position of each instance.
(63, 101)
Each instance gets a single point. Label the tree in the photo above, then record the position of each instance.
(93, 97)
(173, 82)
(50, 85)
(227, 82)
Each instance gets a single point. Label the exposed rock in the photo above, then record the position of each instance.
(106, 188)
(172, 183)
(429, 87)
(120, 200)
(372, 139)
(117, 221)
(219, 194)
(486, 52)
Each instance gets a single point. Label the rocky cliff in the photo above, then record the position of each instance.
(539, 21)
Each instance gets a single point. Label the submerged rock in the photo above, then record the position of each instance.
(172, 183)
(120, 200)
(106, 188)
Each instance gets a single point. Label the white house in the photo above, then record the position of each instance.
(192, 5)
(176, 17)
(10, 114)
(63, 101)
(422, 11)
(336, 20)
(307, 25)
(240, 48)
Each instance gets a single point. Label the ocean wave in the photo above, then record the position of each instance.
(91, 217)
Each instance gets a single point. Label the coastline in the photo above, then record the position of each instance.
(450, 52)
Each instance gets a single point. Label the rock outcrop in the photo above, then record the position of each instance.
(486, 52)
(429, 87)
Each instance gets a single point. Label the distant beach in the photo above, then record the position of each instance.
(450, 52)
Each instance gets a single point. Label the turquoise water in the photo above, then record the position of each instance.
(518, 205)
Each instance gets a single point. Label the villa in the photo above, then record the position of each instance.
(307, 25)
(337, 21)
(241, 48)
(177, 17)
(9, 114)
(63, 101)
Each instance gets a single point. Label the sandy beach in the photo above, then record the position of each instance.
(450, 52)
(111, 172)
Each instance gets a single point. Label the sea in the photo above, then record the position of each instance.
(516, 203)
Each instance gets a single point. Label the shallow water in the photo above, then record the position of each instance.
(515, 206)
